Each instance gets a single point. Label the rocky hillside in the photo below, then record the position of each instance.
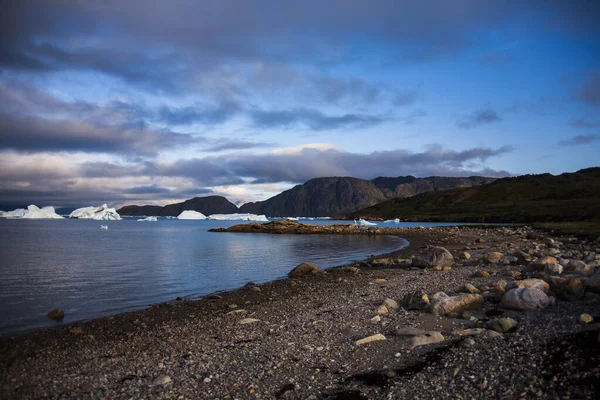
(206, 205)
(408, 186)
(320, 197)
(527, 198)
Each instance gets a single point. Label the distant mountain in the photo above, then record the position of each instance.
(320, 197)
(408, 186)
(527, 198)
(206, 205)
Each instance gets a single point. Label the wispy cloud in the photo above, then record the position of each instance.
(580, 140)
(478, 118)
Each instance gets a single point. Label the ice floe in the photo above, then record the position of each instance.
(148, 219)
(191, 214)
(34, 212)
(392, 221)
(238, 217)
(362, 222)
(18, 213)
(105, 227)
(102, 213)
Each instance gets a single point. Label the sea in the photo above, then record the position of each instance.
(91, 272)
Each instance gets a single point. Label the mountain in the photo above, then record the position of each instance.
(320, 197)
(337, 196)
(528, 198)
(206, 205)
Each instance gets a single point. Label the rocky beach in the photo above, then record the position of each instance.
(463, 312)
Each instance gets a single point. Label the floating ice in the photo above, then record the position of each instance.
(148, 219)
(238, 217)
(18, 213)
(105, 227)
(102, 213)
(392, 221)
(362, 222)
(191, 214)
(293, 218)
(34, 212)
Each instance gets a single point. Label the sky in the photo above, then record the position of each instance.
(153, 102)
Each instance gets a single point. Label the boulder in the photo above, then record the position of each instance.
(522, 256)
(494, 257)
(417, 300)
(433, 257)
(303, 270)
(529, 283)
(456, 304)
(593, 283)
(504, 324)
(468, 288)
(369, 339)
(579, 267)
(56, 314)
(525, 299)
(426, 338)
(541, 263)
(553, 269)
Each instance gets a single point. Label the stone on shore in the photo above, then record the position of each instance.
(303, 270)
(417, 300)
(586, 319)
(426, 338)
(247, 321)
(375, 338)
(579, 267)
(493, 257)
(540, 263)
(456, 304)
(553, 269)
(504, 324)
(433, 257)
(529, 283)
(56, 314)
(162, 380)
(468, 288)
(593, 283)
(525, 299)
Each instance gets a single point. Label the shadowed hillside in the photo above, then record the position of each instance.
(206, 205)
(527, 198)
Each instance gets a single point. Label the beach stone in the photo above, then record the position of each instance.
(586, 319)
(303, 270)
(494, 257)
(426, 338)
(417, 300)
(382, 310)
(481, 274)
(162, 380)
(522, 256)
(375, 319)
(379, 281)
(468, 288)
(432, 257)
(541, 263)
(553, 269)
(456, 304)
(579, 267)
(465, 255)
(351, 270)
(575, 288)
(57, 314)
(593, 283)
(247, 321)
(409, 331)
(529, 283)
(375, 338)
(504, 324)
(390, 304)
(525, 299)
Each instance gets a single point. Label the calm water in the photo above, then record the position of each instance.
(90, 272)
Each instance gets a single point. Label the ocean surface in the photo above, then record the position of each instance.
(91, 272)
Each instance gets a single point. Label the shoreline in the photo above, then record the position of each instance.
(203, 349)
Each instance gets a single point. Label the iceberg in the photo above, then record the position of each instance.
(191, 214)
(392, 221)
(362, 222)
(102, 213)
(34, 212)
(238, 217)
(18, 213)
(293, 218)
(148, 219)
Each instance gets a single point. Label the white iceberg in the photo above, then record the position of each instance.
(102, 213)
(148, 219)
(392, 221)
(105, 227)
(191, 214)
(18, 213)
(362, 222)
(34, 212)
(238, 217)
(293, 218)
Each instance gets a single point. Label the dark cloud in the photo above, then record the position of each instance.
(312, 119)
(583, 123)
(32, 134)
(580, 140)
(589, 91)
(232, 144)
(478, 118)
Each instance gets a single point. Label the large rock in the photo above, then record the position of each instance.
(579, 267)
(426, 338)
(456, 304)
(529, 283)
(433, 257)
(541, 263)
(417, 300)
(493, 257)
(57, 314)
(375, 338)
(303, 270)
(525, 299)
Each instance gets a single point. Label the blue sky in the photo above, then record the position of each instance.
(150, 102)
